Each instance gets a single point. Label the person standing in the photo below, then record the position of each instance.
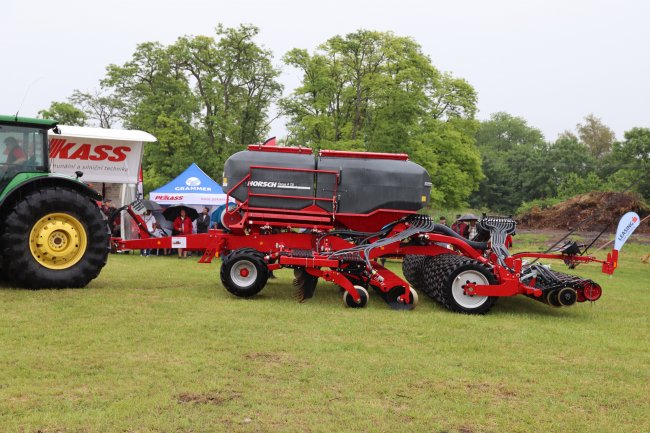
(469, 229)
(472, 231)
(106, 208)
(150, 222)
(182, 226)
(203, 221)
(459, 226)
(115, 218)
(443, 222)
(154, 230)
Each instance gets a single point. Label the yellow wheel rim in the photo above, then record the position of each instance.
(58, 241)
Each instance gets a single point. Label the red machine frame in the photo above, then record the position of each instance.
(272, 232)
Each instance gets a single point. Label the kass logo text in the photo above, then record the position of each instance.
(86, 152)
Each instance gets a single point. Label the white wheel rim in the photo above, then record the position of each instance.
(361, 291)
(243, 273)
(414, 296)
(458, 292)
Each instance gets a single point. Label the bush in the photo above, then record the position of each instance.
(542, 203)
(575, 185)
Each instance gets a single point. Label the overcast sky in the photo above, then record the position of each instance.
(551, 62)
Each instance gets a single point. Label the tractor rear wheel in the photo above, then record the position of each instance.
(55, 238)
(244, 272)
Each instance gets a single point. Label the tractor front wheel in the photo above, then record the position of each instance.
(54, 237)
(244, 272)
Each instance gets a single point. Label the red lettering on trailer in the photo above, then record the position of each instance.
(120, 153)
(85, 152)
(167, 197)
(55, 145)
(100, 152)
(62, 150)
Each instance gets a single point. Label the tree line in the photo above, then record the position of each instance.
(206, 97)
(522, 168)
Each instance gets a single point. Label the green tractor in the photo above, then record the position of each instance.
(52, 232)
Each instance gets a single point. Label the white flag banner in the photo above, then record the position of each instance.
(626, 226)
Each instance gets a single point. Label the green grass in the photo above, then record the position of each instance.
(157, 344)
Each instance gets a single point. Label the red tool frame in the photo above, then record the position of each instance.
(310, 239)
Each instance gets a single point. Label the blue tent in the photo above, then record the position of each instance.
(192, 187)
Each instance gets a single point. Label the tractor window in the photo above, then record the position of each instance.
(22, 149)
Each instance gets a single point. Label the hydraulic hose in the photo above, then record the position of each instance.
(481, 246)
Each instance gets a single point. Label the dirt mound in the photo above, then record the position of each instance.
(591, 212)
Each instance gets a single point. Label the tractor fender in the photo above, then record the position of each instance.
(34, 183)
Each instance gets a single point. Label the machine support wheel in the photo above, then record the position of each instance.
(550, 297)
(414, 298)
(413, 270)
(447, 276)
(350, 302)
(394, 298)
(455, 298)
(433, 269)
(55, 238)
(567, 296)
(244, 272)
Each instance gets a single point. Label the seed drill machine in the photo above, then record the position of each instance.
(333, 215)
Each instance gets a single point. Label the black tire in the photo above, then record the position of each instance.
(80, 246)
(3, 276)
(550, 297)
(392, 298)
(238, 262)
(348, 300)
(304, 283)
(413, 270)
(446, 275)
(431, 272)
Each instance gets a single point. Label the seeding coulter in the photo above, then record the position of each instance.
(334, 215)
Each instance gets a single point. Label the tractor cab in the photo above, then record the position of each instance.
(23, 146)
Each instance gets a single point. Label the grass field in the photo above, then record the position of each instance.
(156, 344)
